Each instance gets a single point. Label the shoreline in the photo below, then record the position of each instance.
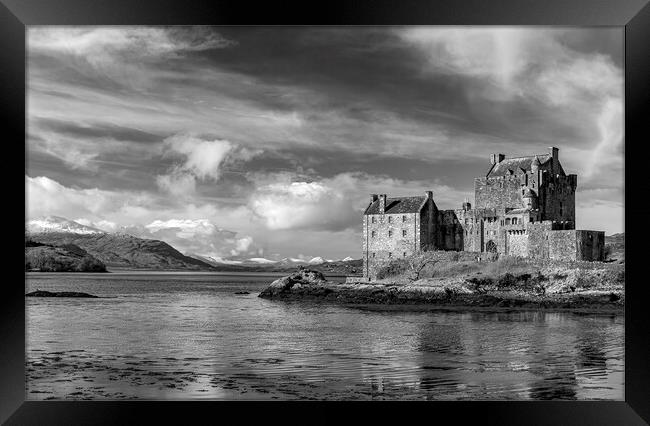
(449, 294)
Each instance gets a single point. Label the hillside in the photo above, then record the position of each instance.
(125, 251)
(615, 248)
(346, 266)
(67, 258)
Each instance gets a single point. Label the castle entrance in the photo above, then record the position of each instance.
(491, 247)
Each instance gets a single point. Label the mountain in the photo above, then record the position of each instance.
(67, 258)
(260, 260)
(48, 224)
(126, 251)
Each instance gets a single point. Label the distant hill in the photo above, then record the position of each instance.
(347, 266)
(126, 251)
(120, 250)
(67, 258)
(615, 248)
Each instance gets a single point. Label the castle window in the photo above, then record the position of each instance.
(404, 254)
(374, 220)
(390, 254)
(514, 220)
(404, 233)
(390, 219)
(390, 233)
(404, 218)
(373, 234)
(508, 221)
(373, 254)
(531, 220)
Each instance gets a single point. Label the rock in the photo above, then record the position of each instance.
(242, 292)
(42, 293)
(303, 277)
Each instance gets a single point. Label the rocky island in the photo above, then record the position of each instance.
(457, 280)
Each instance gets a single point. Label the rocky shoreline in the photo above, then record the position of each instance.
(457, 292)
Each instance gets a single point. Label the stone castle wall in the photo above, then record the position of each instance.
(395, 235)
(557, 198)
(498, 192)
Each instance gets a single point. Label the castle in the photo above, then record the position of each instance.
(525, 206)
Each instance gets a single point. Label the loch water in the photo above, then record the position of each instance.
(191, 336)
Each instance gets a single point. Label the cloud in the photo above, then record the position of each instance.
(178, 183)
(185, 227)
(200, 236)
(45, 196)
(99, 44)
(202, 158)
(298, 205)
(332, 204)
(577, 96)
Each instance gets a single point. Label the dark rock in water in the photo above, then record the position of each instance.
(242, 292)
(42, 293)
(303, 277)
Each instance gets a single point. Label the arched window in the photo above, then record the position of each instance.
(491, 247)
(514, 220)
(508, 221)
(390, 233)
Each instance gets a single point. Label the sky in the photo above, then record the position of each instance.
(239, 142)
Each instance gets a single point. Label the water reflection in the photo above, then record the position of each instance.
(166, 338)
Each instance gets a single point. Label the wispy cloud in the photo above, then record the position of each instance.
(256, 130)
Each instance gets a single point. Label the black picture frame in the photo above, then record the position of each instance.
(634, 15)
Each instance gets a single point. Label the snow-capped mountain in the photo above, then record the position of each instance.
(347, 259)
(214, 260)
(316, 260)
(50, 224)
(261, 260)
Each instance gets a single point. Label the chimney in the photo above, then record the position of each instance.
(497, 158)
(373, 197)
(553, 151)
(429, 194)
(382, 203)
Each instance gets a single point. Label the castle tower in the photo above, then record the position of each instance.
(529, 199)
(467, 205)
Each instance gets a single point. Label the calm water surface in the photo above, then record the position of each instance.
(189, 336)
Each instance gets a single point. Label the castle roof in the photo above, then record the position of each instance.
(398, 205)
(516, 165)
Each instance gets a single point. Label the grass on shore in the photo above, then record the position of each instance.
(504, 272)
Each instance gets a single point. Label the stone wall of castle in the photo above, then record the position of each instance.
(557, 197)
(498, 192)
(590, 245)
(517, 244)
(388, 237)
